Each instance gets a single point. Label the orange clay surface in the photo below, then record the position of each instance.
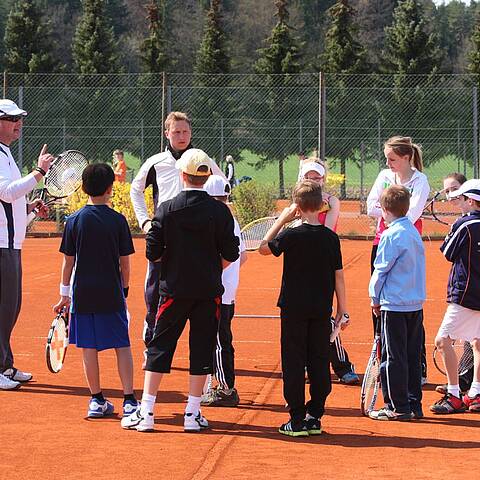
(44, 434)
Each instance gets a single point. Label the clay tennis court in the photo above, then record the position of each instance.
(45, 436)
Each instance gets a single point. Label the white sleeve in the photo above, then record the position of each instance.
(373, 199)
(216, 170)
(137, 193)
(13, 190)
(418, 199)
(237, 232)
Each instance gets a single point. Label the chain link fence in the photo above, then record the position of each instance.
(262, 121)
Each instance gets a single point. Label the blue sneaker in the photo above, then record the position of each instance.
(129, 407)
(97, 409)
(350, 378)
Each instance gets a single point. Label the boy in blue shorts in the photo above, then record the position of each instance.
(397, 290)
(312, 273)
(97, 244)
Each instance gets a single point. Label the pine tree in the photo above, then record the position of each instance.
(372, 16)
(409, 48)
(474, 55)
(153, 49)
(278, 61)
(94, 44)
(282, 54)
(343, 53)
(211, 56)
(28, 40)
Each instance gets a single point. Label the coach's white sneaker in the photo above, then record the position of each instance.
(139, 422)
(7, 384)
(17, 375)
(194, 423)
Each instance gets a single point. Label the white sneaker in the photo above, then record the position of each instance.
(194, 423)
(17, 375)
(136, 421)
(7, 384)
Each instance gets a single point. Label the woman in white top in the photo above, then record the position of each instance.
(404, 162)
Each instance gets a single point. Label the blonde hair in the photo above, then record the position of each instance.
(404, 146)
(307, 194)
(176, 117)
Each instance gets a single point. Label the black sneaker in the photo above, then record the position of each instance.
(294, 430)
(314, 427)
(224, 398)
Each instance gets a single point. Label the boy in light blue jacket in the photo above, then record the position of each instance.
(397, 290)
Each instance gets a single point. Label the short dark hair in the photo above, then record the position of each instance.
(97, 178)
(307, 194)
(396, 200)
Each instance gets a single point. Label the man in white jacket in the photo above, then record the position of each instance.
(160, 172)
(13, 222)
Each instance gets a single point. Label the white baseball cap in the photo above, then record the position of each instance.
(217, 186)
(192, 160)
(9, 108)
(312, 167)
(471, 189)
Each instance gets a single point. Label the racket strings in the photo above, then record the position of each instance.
(65, 174)
(56, 344)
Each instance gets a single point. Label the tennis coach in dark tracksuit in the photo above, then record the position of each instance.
(192, 235)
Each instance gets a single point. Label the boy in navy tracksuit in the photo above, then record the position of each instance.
(462, 318)
(397, 290)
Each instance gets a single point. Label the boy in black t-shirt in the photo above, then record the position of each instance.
(97, 243)
(312, 272)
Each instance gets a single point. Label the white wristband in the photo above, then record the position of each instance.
(64, 290)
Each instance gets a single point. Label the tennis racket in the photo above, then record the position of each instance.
(441, 210)
(464, 354)
(57, 342)
(254, 232)
(371, 379)
(63, 178)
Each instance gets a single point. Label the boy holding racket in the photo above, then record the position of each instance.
(225, 394)
(97, 243)
(192, 236)
(462, 318)
(312, 262)
(397, 290)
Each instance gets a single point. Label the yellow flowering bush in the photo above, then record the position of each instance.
(334, 180)
(120, 202)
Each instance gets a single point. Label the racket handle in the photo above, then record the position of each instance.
(336, 330)
(30, 217)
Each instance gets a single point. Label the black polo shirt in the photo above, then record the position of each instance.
(191, 233)
(311, 255)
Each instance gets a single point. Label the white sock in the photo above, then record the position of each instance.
(308, 417)
(454, 390)
(148, 404)
(474, 389)
(193, 404)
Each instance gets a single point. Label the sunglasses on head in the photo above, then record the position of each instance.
(11, 118)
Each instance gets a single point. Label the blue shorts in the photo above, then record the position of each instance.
(99, 330)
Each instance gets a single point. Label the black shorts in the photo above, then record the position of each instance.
(171, 319)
